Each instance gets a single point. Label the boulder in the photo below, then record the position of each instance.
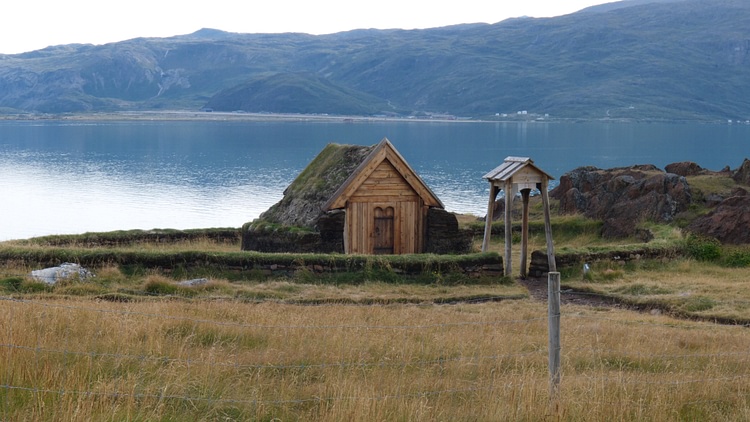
(685, 168)
(742, 174)
(689, 168)
(65, 271)
(623, 197)
(729, 222)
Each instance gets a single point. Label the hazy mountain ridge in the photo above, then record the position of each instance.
(673, 59)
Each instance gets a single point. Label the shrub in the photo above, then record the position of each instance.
(703, 248)
(12, 284)
(738, 259)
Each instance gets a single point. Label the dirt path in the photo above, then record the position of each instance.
(538, 290)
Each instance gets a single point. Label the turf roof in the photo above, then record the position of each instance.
(303, 200)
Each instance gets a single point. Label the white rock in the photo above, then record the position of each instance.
(65, 271)
(194, 282)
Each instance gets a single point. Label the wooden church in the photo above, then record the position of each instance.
(360, 200)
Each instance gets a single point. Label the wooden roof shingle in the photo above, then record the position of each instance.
(512, 166)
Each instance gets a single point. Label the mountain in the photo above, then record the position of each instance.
(635, 59)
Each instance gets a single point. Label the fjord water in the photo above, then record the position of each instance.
(59, 177)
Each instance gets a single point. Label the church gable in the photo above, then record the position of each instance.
(384, 152)
(385, 183)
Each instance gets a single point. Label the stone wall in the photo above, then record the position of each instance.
(539, 266)
(442, 236)
(282, 239)
(493, 268)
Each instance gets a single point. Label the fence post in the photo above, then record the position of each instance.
(553, 312)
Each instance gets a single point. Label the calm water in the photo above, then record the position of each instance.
(61, 177)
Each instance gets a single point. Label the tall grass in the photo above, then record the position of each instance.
(224, 360)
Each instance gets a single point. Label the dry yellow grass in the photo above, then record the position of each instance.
(217, 357)
(687, 286)
(79, 359)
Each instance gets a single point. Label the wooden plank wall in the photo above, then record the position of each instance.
(385, 188)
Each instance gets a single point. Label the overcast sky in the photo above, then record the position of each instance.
(27, 25)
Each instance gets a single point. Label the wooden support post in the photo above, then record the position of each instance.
(548, 226)
(525, 193)
(553, 312)
(508, 189)
(488, 223)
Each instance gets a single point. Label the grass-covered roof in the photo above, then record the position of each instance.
(303, 200)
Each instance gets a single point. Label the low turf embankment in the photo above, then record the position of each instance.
(130, 267)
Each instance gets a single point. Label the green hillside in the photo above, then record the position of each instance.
(670, 59)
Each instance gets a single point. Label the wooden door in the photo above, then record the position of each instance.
(383, 231)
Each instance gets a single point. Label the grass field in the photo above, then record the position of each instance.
(76, 359)
(124, 347)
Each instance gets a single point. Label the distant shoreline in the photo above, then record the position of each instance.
(185, 115)
(190, 115)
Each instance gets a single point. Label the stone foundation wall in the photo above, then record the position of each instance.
(442, 236)
(271, 239)
(475, 270)
(539, 266)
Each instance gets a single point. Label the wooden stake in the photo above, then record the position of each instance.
(548, 226)
(553, 312)
(525, 231)
(488, 223)
(508, 227)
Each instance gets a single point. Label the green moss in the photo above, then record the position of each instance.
(328, 171)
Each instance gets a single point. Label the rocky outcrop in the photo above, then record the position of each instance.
(729, 222)
(623, 197)
(685, 169)
(689, 168)
(742, 175)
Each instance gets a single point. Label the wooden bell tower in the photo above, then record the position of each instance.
(519, 174)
